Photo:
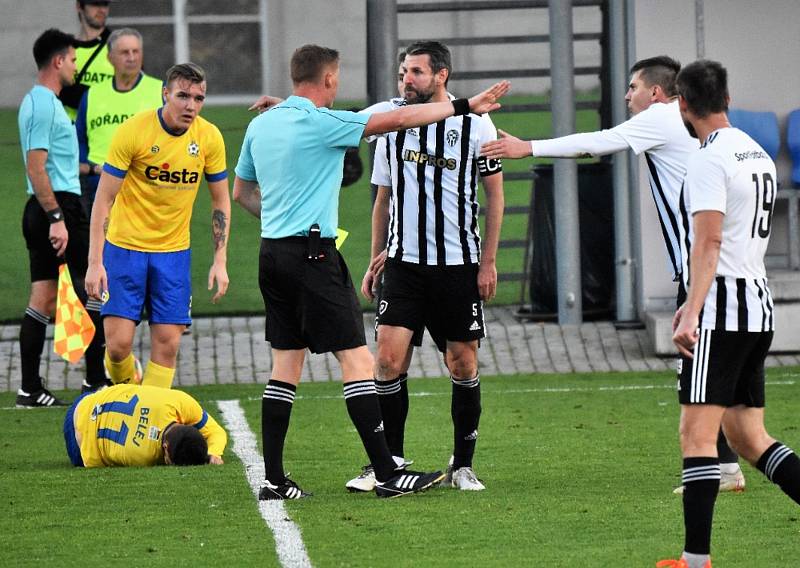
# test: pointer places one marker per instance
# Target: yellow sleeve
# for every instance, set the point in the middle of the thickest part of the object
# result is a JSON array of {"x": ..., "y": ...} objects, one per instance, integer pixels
[
  {"x": 192, "y": 414},
  {"x": 121, "y": 151},
  {"x": 216, "y": 166}
]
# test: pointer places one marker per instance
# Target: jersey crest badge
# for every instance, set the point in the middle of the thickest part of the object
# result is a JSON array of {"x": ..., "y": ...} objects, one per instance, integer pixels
[
  {"x": 193, "y": 149},
  {"x": 452, "y": 137},
  {"x": 154, "y": 149}
]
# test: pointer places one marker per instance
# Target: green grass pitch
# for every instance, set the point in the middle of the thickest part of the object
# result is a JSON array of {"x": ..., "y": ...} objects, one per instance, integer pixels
[{"x": 579, "y": 471}]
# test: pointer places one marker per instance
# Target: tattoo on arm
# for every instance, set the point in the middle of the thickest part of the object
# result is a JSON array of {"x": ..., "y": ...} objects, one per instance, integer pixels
[
  {"x": 219, "y": 224},
  {"x": 105, "y": 226}
]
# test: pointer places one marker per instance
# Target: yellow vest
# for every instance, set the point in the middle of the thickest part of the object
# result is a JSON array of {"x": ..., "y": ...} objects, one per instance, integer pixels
[
  {"x": 100, "y": 71},
  {"x": 107, "y": 108}
]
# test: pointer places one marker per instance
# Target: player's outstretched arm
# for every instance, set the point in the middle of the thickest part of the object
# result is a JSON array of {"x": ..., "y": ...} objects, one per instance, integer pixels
[
  {"x": 507, "y": 146},
  {"x": 96, "y": 282},
  {"x": 220, "y": 229},
  {"x": 419, "y": 115}
]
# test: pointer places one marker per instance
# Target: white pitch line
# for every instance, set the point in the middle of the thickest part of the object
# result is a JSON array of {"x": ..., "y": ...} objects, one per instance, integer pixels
[
  {"x": 544, "y": 390},
  {"x": 288, "y": 541}
]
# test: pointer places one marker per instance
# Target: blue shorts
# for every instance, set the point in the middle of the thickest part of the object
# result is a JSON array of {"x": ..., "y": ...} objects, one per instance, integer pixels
[
  {"x": 73, "y": 450},
  {"x": 159, "y": 281}
]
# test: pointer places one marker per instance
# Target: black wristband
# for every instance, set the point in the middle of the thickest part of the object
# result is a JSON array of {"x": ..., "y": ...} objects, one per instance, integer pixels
[
  {"x": 55, "y": 215},
  {"x": 461, "y": 106}
]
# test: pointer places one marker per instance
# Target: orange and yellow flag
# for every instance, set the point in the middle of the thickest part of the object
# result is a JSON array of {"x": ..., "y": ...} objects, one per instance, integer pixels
[{"x": 74, "y": 328}]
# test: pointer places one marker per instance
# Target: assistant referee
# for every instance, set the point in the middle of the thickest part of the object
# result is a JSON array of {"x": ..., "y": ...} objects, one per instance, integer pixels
[{"x": 294, "y": 152}]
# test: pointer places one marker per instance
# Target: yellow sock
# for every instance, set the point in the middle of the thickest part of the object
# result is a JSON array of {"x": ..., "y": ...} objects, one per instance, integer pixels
[
  {"x": 123, "y": 371},
  {"x": 157, "y": 376}
]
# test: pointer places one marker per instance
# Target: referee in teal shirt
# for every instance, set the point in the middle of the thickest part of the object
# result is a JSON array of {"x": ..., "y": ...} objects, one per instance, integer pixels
[
  {"x": 54, "y": 223},
  {"x": 294, "y": 153}
]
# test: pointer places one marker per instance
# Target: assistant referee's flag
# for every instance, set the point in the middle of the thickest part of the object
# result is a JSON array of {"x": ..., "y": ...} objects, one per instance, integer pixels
[{"x": 74, "y": 328}]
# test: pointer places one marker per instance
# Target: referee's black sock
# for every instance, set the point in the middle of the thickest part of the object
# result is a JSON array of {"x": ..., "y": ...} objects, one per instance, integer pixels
[
  {"x": 700, "y": 487},
  {"x": 390, "y": 394},
  {"x": 782, "y": 466},
  {"x": 31, "y": 344},
  {"x": 364, "y": 410},
  {"x": 465, "y": 409},
  {"x": 95, "y": 373},
  {"x": 276, "y": 409},
  {"x": 724, "y": 451}
]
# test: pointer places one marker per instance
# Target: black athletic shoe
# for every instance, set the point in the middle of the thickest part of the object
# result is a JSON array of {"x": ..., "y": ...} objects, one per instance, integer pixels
[
  {"x": 407, "y": 482},
  {"x": 286, "y": 490},
  {"x": 40, "y": 399},
  {"x": 86, "y": 387}
]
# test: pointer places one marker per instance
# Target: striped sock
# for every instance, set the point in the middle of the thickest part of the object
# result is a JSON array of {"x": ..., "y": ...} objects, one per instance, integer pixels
[
  {"x": 390, "y": 395},
  {"x": 31, "y": 344},
  {"x": 782, "y": 467},
  {"x": 276, "y": 409},
  {"x": 156, "y": 375},
  {"x": 465, "y": 409},
  {"x": 364, "y": 410},
  {"x": 701, "y": 485}
]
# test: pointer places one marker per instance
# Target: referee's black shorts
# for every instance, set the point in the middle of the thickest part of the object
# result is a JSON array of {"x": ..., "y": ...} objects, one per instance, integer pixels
[
  {"x": 443, "y": 299},
  {"x": 727, "y": 369},
  {"x": 36, "y": 229},
  {"x": 308, "y": 303}
]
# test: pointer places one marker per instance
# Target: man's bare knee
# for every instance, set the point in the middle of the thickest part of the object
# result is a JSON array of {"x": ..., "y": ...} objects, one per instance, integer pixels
[{"x": 462, "y": 360}]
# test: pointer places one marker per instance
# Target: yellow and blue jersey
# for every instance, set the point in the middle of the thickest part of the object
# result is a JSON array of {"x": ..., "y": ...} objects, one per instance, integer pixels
[
  {"x": 161, "y": 173},
  {"x": 123, "y": 425}
]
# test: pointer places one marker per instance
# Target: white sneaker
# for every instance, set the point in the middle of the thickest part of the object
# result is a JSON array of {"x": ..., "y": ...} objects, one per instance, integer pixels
[
  {"x": 728, "y": 483},
  {"x": 463, "y": 478},
  {"x": 365, "y": 482},
  {"x": 732, "y": 481}
]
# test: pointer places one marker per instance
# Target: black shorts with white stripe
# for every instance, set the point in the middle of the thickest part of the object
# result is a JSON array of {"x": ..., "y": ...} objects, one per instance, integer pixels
[
  {"x": 727, "y": 369},
  {"x": 443, "y": 299}
]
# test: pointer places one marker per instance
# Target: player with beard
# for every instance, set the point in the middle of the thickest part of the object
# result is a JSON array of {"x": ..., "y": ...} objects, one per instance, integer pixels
[{"x": 425, "y": 239}]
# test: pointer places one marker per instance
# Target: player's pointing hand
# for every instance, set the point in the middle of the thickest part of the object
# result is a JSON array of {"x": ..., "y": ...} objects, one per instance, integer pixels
[
  {"x": 487, "y": 100},
  {"x": 507, "y": 146}
]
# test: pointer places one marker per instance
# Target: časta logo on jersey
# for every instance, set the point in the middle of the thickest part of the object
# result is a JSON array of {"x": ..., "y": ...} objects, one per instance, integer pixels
[
  {"x": 423, "y": 158},
  {"x": 164, "y": 174}
]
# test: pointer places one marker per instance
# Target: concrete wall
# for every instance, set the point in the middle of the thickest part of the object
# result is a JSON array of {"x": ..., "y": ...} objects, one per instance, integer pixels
[
  {"x": 756, "y": 41},
  {"x": 340, "y": 24},
  {"x": 21, "y": 23}
]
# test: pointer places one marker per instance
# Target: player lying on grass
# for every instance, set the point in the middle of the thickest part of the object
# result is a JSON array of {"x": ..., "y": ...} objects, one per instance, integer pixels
[{"x": 133, "y": 425}]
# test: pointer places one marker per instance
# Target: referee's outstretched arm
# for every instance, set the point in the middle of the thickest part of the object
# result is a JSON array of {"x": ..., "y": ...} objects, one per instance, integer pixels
[{"x": 419, "y": 115}]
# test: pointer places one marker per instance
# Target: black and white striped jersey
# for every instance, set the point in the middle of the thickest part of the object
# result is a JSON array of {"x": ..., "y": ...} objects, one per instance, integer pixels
[
  {"x": 658, "y": 131},
  {"x": 433, "y": 172},
  {"x": 732, "y": 174}
]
